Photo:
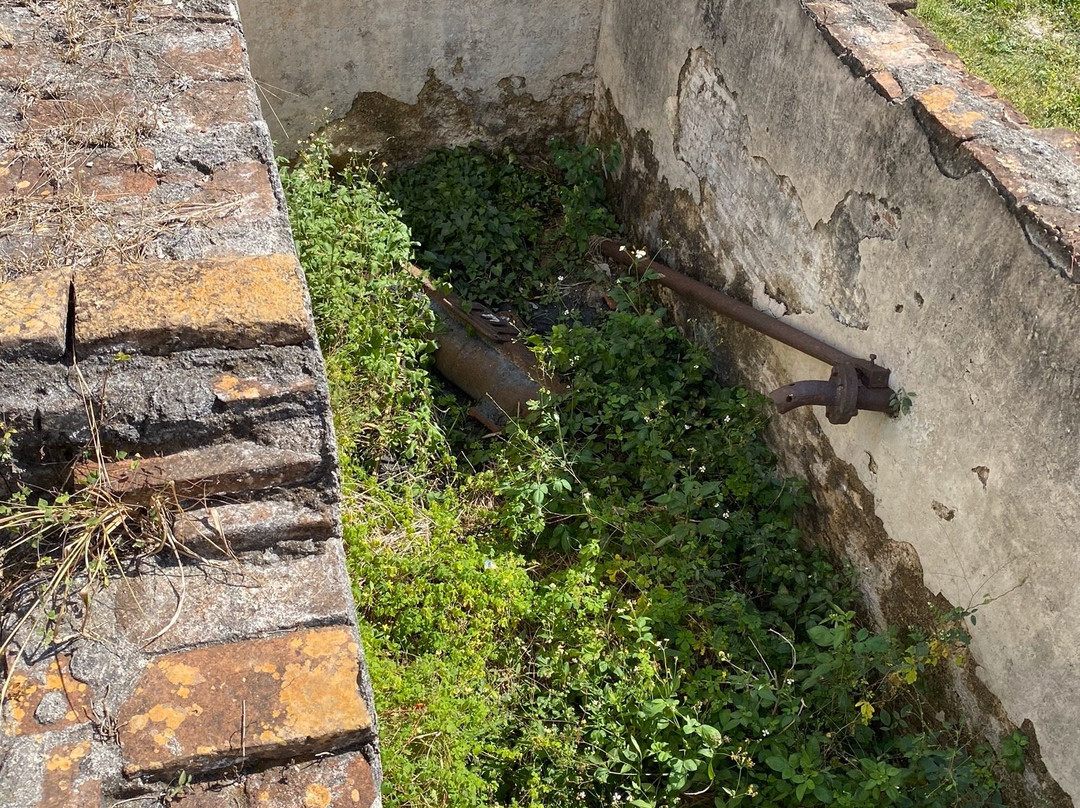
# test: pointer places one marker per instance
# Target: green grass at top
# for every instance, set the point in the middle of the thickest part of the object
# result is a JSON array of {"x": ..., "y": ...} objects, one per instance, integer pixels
[{"x": 1028, "y": 49}]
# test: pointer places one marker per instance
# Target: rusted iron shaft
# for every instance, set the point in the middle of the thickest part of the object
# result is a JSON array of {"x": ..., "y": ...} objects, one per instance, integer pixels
[
  {"x": 823, "y": 393},
  {"x": 478, "y": 351},
  {"x": 873, "y": 375}
]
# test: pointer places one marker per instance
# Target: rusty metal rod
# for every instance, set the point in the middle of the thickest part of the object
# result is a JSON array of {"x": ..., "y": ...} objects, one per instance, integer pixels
[
  {"x": 874, "y": 375},
  {"x": 823, "y": 393}
]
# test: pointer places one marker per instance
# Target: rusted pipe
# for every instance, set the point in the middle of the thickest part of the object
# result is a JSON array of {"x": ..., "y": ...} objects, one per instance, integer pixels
[
  {"x": 855, "y": 384},
  {"x": 807, "y": 393},
  {"x": 873, "y": 375},
  {"x": 477, "y": 351}
]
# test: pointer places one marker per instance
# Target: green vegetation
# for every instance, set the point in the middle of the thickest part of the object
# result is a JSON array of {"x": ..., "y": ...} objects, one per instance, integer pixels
[
  {"x": 1028, "y": 49},
  {"x": 608, "y": 604},
  {"x": 504, "y": 229}
]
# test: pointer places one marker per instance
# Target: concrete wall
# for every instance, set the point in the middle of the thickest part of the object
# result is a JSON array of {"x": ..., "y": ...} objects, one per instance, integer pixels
[
  {"x": 819, "y": 160},
  {"x": 401, "y": 78}
]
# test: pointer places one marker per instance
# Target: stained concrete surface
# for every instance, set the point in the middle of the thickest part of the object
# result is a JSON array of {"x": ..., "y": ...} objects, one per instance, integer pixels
[{"x": 478, "y": 69}]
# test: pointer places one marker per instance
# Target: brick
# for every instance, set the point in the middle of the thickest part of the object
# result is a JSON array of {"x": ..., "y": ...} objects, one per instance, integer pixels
[
  {"x": 251, "y": 526},
  {"x": 45, "y": 697},
  {"x": 33, "y": 315},
  {"x": 941, "y": 103},
  {"x": 223, "y": 61},
  {"x": 208, "y": 105},
  {"x": 162, "y": 307},
  {"x": 20, "y": 61},
  {"x": 885, "y": 85},
  {"x": 110, "y": 179},
  {"x": 264, "y": 699},
  {"x": 231, "y": 468},
  {"x": 1065, "y": 140},
  {"x": 249, "y": 184},
  {"x": 105, "y": 119},
  {"x": 230, "y": 389},
  {"x": 225, "y": 602},
  {"x": 343, "y": 781},
  {"x": 63, "y": 786},
  {"x": 21, "y": 176}
]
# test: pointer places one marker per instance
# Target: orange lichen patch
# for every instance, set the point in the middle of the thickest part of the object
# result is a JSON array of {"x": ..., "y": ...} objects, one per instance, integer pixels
[
  {"x": 62, "y": 786},
  {"x": 65, "y": 757},
  {"x": 939, "y": 101},
  {"x": 33, "y": 314},
  {"x": 47, "y": 698},
  {"x": 161, "y": 307},
  {"x": 180, "y": 674},
  {"x": 263, "y": 698},
  {"x": 317, "y": 796},
  {"x": 230, "y": 389}
]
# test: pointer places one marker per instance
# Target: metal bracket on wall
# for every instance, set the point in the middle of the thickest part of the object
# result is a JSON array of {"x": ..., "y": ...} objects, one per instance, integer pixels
[{"x": 855, "y": 384}]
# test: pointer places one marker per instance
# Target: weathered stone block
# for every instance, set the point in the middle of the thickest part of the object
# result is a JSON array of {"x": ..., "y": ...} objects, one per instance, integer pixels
[
  {"x": 230, "y": 389},
  {"x": 251, "y": 526},
  {"x": 33, "y": 315},
  {"x": 198, "y": 473},
  {"x": 344, "y": 781},
  {"x": 111, "y": 178},
  {"x": 224, "y": 602},
  {"x": 163, "y": 307},
  {"x": 62, "y": 785},
  {"x": 262, "y": 699},
  {"x": 44, "y": 697},
  {"x": 210, "y": 56},
  {"x": 211, "y": 104},
  {"x": 249, "y": 184}
]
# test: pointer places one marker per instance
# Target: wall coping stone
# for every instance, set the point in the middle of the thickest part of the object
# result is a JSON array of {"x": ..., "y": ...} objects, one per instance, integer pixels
[{"x": 1036, "y": 171}]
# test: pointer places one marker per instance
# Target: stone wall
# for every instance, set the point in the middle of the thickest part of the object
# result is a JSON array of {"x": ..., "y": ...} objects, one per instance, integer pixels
[
  {"x": 402, "y": 78},
  {"x": 823, "y": 161},
  {"x": 153, "y": 313}
]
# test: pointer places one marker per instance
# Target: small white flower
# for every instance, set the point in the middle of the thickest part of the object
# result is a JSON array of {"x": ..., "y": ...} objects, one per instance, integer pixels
[
  {"x": 727, "y": 514},
  {"x": 639, "y": 253},
  {"x": 727, "y": 419},
  {"x": 764, "y": 733}
]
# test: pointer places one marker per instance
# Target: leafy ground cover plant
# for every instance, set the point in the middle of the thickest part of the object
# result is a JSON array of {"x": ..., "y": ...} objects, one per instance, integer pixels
[
  {"x": 610, "y": 603},
  {"x": 501, "y": 226},
  {"x": 1028, "y": 49}
]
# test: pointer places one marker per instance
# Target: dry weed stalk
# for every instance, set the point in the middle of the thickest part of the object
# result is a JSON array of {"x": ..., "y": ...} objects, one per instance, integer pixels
[{"x": 74, "y": 543}]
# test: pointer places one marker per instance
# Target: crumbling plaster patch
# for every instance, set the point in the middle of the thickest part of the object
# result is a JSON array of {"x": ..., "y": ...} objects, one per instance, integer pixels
[{"x": 712, "y": 139}]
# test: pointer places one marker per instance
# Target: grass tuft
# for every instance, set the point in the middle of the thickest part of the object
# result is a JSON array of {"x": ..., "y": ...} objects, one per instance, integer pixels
[{"x": 1028, "y": 49}]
